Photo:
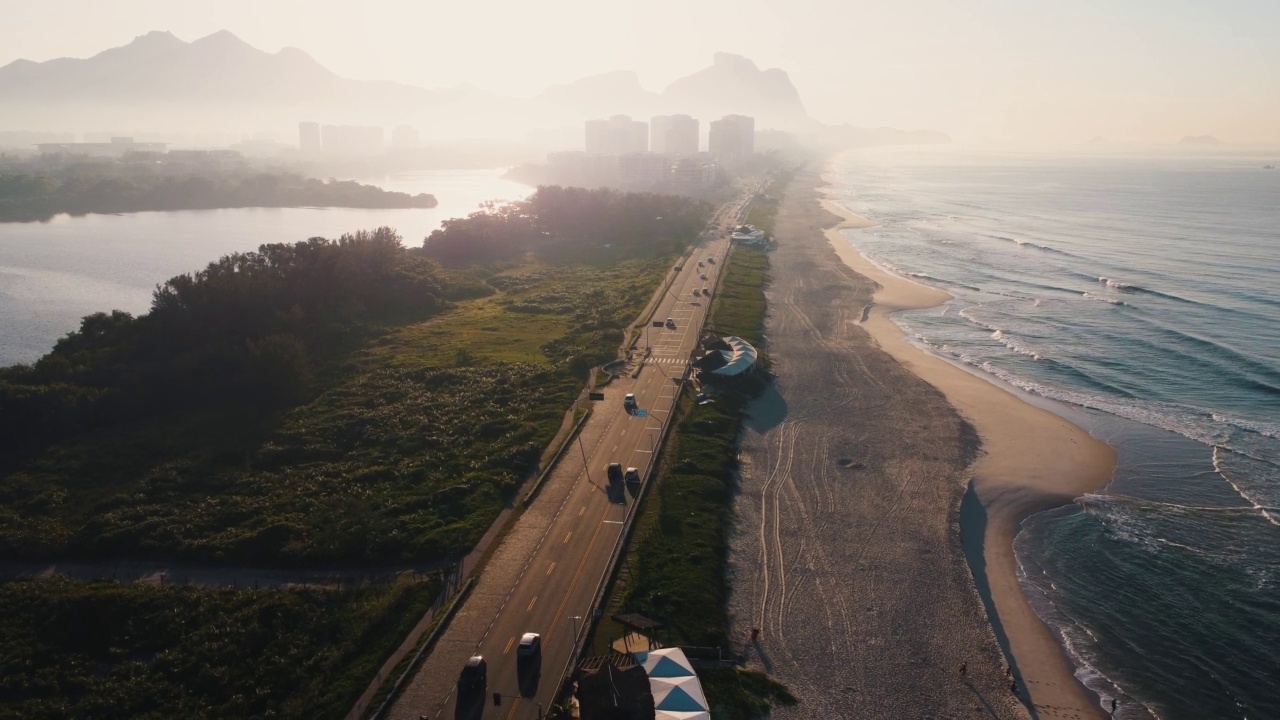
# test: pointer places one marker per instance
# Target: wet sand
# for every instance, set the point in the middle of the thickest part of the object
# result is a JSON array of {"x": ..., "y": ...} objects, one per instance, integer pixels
[
  {"x": 1031, "y": 460},
  {"x": 847, "y": 555}
]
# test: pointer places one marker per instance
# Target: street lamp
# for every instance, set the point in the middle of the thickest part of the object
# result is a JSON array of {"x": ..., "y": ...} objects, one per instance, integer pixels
[{"x": 575, "y": 619}]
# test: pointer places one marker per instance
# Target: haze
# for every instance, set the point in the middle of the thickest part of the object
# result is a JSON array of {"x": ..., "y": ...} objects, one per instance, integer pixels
[{"x": 1139, "y": 71}]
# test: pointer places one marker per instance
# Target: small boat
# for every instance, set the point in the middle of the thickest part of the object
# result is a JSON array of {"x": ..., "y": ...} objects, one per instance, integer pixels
[{"x": 1268, "y": 167}]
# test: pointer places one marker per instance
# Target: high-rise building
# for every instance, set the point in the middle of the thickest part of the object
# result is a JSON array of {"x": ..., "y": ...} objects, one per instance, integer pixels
[
  {"x": 309, "y": 138},
  {"x": 351, "y": 139},
  {"x": 619, "y": 135},
  {"x": 673, "y": 135},
  {"x": 404, "y": 137},
  {"x": 732, "y": 138}
]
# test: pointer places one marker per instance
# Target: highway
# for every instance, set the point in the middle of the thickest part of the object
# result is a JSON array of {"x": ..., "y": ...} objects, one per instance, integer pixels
[{"x": 545, "y": 573}]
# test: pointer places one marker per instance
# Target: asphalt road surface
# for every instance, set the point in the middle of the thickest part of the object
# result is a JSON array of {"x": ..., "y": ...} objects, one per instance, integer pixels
[{"x": 544, "y": 575}]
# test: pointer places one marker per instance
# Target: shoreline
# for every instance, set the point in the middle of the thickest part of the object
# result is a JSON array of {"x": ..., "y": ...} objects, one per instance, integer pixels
[{"x": 1032, "y": 460}]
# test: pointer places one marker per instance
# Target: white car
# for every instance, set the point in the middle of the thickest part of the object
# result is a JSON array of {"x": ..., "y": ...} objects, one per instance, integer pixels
[{"x": 530, "y": 646}]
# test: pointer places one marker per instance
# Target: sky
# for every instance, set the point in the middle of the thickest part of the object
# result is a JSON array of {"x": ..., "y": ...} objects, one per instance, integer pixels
[{"x": 1021, "y": 70}]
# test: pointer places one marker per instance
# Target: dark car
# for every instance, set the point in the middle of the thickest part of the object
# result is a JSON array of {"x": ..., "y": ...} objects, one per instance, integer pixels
[
  {"x": 614, "y": 472},
  {"x": 629, "y": 402},
  {"x": 474, "y": 677}
]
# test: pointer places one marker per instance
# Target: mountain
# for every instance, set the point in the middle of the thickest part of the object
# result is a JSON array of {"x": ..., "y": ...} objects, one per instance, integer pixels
[
  {"x": 1200, "y": 140},
  {"x": 731, "y": 84},
  {"x": 605, "y": 95},
  {"x": 213, "y": 80}
]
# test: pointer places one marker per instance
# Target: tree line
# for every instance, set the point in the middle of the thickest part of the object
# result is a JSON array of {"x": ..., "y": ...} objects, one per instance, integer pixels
[{"x": 29, "y": 197}]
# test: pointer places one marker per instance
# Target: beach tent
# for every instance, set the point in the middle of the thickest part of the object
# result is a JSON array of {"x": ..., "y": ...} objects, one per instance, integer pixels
[
  {"x": 677, "y": 693},
  {"x": 727, "y": 356}
]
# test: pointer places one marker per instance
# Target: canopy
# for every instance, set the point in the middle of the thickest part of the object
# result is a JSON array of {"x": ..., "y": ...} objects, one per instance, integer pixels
[{"x": 677, "y": 694}]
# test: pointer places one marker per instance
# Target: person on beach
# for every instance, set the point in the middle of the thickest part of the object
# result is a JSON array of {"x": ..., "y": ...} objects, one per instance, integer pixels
[
  {"x": 1013, "y": 687},
  {"x": 1113, "y": 707},
  {"x": 964, "y": 669}
]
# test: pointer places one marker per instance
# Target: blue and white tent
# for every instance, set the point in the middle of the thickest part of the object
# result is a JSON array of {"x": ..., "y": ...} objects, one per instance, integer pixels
[{"x": 677, "y": 693}]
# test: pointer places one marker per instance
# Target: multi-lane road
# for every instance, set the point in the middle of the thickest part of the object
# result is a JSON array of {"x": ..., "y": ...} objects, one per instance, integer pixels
[{"x": 545, "y": 574}]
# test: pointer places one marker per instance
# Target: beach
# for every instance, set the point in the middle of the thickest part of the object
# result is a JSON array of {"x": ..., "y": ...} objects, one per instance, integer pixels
[
  {"x": 859, "y": 468},
  {"x": 1032, "y": 460}
]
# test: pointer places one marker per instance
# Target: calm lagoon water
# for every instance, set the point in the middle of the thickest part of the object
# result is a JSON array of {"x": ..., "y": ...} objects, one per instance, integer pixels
[
  {"x": 1141, "y": 294},
  {"x": 53, "y": 273}
]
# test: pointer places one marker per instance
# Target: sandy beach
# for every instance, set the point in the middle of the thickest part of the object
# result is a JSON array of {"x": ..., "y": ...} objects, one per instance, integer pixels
[
  {"x": 853, "y": 472},
  {"x": 1031, "y": 460}
]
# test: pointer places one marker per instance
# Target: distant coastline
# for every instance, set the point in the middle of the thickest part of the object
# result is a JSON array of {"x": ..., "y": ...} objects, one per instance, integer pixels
[{"x": 33, "y": 197}]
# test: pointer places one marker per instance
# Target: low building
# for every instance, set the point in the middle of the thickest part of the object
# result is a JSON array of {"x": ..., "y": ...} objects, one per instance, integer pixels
[
  {"x": 748, "y": 235},
  {"x": 117, "y": 148}
]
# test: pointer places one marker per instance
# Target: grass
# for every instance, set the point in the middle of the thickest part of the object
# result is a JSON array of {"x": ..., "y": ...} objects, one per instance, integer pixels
[
  {"x": 675, "y": 566},
  {"x": 407, "y": 455},
  {"x": 110, "y": 650}
]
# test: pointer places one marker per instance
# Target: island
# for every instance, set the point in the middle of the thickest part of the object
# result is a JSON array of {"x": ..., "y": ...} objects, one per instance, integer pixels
[{"x": 36, "y": 191}]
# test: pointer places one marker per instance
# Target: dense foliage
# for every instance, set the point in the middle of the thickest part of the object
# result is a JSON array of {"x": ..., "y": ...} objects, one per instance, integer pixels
[
  {"x": 292, "y": 407},
  {"x": 109, "y": 650},
  {"x": 558, "y": 223},
  {"x": 240, "y": 335},
  {"x": 29, "y": 197}
]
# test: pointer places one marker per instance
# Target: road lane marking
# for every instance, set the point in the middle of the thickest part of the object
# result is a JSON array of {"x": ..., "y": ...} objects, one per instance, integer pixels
[
  {"x": 510, "y": 642},
  {"x": 531, "y": 603},
  {"x": 551, "y": 567},
  {"x": 584, "y": 509},
  {"x": 566, "y": 538}
]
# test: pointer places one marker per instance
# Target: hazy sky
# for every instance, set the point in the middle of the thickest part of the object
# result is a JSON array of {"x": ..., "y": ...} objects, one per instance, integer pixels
[{"x": 1065, "y": 71}]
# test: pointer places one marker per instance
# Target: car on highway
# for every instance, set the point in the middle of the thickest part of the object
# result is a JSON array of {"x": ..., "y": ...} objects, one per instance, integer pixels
[
  {"x": 671, "y": 323},
  {"x": 629, "y": 402},
  {"x": 474, "y": 676},
  {"x": 632, "y": 475},
  {"x": 706, "y": 292},
  {"x": 711, "y": 261},
  {"x": 530, "y": 646},
  {"x": 702, "y": 276},
  {"x": 696, "y": 293}
]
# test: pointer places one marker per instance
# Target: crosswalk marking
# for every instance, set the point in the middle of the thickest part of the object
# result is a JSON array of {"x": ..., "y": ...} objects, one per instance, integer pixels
[{"x": 670, "y": 361}]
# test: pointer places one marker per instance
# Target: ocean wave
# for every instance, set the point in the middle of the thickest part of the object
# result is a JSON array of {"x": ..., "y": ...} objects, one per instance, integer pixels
[
  {"x": 1099, "y": 298},
  {"x": 1256, "y": 483},
  {"x": 1126, "y": 287},
  {"x": 1014, "y": 345}
]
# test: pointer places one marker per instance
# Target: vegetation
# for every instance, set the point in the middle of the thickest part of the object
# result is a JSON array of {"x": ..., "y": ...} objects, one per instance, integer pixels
[
  {"x": 104, "y": 189},
  {"x": 676, "y": 564},
  {"x": 308, "y": 404},
  {"x": 558, "y": 224},
  {"x": 111, "y": 650}
]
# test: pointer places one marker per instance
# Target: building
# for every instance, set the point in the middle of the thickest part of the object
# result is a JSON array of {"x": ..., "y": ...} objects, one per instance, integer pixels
[
  {"x": 644, "y": 170},
  {"x": 732, "y": 139},
  {"x": 404, "y": 137},
  {"x": 619, "y": 135},
  {"x": 118, "y": 147},
  {"x": 693, "y": 175},
  {"x": 349, "y": 140},
  {"x": 673, "y": 135},
  {"x": 309, "y": 138}
]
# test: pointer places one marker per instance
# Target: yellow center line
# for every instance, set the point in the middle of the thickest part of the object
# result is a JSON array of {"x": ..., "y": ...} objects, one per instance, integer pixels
[
  {"x": 572, "y": 584},
  {"x": 531, "y": 602},
  {"x": 551, "y": 567},
  {"x": 566, "y": 537},
  {"x": 584, "y": 509},
  {"x": 510, "y": 642}
]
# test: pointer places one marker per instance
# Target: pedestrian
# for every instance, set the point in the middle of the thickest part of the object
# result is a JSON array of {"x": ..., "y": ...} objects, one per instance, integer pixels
[
  {"x": 964, "y": 669},
  {"x": 1008, "y": 672},
  {"x": 1013, "y": 687},
  {"x": 1113, "y": 707}
]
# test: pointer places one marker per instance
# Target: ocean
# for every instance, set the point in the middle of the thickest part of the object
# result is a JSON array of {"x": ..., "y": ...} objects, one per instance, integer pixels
[
  {"x": 54, "y": 273},
  {"x": 1139, "y": 295}
]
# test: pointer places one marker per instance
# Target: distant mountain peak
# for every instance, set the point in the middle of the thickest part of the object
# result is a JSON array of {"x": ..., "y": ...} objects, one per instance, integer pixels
[
  {"x": 737, "y": 62},
  {"x": 1200, "y": 140}
]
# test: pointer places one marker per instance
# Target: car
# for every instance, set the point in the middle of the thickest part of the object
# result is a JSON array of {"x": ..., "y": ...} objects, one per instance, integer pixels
[
  {"x": 614, "y": 472},
  {"x": 700, "y": 263},
  {"x": 711, "y": 261},
  {"x": 629, "y": 402},
  {"x": 632, "y": 475},
  {"x": 696, "y": 293},
  {"x": 702, "y": 276},
  {"x": 474, "y": 676},
  {"x": 706, "y": 292},
  {"x": 671, "y": 323},
  {"x": 530, "y": 645}
]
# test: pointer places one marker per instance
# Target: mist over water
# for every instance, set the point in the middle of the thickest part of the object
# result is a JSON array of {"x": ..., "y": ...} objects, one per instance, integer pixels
[
  {"x": 54, "y": 273},
  {"x": 1142, "y": 292}
]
